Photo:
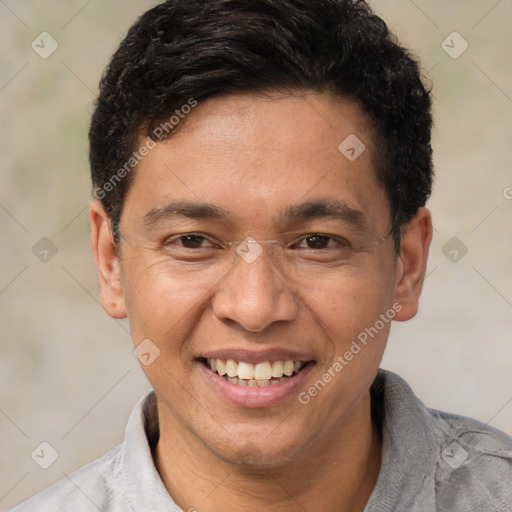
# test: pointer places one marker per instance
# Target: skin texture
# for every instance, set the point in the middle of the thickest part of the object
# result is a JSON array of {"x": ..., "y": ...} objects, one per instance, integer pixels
[{"x": 252, "y": 156}]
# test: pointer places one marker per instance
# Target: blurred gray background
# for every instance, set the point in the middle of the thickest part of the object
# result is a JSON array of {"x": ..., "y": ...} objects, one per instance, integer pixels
[{"x": 67, "y": 373}]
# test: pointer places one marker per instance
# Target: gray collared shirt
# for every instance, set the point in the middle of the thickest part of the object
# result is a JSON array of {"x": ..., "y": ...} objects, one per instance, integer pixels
[{"x": 432, "y": 461}]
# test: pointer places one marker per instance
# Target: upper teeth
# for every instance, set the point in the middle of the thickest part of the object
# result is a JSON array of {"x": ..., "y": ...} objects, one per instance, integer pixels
[{"x": 260, "y": 371}]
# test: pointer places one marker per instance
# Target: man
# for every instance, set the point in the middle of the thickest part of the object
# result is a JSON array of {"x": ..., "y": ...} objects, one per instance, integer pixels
[{"x": 260, "y": 174}]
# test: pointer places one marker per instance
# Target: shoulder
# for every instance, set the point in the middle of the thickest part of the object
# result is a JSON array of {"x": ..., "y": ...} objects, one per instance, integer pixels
[
  {"x": 124, "y": 479},
  {"x": 475, "y": 463},
  {"x": 87, "y": 489},
  {"x": 434, "y": 460}
]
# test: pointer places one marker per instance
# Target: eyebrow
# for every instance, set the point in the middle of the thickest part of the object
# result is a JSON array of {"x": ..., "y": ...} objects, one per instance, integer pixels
[
  {"x": 325, "y": 209},
  {"x": 192, "y": 210},
  {"x": 310, "y": 210}
]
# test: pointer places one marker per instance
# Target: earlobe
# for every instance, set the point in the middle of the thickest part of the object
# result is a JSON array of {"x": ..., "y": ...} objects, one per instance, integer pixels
[
  {"x": 107, "y": 261},
  {"x": 412, "y": 264}
]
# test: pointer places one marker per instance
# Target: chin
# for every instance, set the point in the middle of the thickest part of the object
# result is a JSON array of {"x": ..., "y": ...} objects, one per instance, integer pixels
[{"x": 259, "y": 453}]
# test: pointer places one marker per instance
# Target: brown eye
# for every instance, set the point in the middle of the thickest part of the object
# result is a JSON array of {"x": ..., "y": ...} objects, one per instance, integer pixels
[
  {"x": 191, "y": 241},
  {"x": 317, "y": 241}
]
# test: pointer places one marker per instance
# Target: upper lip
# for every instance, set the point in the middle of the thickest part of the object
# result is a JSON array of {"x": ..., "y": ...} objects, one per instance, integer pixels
[{"x": 256, "y": 356}]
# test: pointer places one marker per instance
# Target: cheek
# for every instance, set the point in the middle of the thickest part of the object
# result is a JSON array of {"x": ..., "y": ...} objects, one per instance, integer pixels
[
  {"x": 349, "y": 312},
  {"x": 165, "y": 310},
  {"x": 161, "y": 306},
  {"x": 350, "y": 301}
]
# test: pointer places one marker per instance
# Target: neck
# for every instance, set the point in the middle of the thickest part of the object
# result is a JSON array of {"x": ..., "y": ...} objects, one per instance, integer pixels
[{"x": 338, "y": 473}]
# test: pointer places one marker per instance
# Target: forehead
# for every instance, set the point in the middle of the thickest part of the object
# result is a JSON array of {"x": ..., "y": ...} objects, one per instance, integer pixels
[{"x": 256, "y": 155}]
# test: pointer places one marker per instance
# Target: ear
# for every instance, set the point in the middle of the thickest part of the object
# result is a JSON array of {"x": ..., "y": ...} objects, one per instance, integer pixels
[
  {"x": 107, "y": 261},
  {"x": 412, "y": 263}
]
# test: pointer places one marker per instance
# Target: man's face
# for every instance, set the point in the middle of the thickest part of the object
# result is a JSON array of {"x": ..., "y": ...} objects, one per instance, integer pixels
[{"x": 269, "y": 168}]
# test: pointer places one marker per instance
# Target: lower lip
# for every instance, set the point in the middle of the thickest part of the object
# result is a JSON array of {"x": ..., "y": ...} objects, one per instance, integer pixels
[{"x": 253, "y": 397}]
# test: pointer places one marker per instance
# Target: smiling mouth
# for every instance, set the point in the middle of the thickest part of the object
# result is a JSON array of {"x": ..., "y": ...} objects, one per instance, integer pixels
[{"x": 268, "y": 373}]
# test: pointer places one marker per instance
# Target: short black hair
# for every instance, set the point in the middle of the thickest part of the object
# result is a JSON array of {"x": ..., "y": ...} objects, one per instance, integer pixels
[{"x": 182, "y": 52}]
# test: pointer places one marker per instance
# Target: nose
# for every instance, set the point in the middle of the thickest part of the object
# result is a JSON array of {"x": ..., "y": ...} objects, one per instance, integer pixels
[{"x": 254, "y": 296}]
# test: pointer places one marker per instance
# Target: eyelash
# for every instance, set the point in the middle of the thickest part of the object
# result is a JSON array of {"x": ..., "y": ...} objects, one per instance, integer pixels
[
  {"x": 341, "y": 242},
  {"x": 170, "y": 241}
]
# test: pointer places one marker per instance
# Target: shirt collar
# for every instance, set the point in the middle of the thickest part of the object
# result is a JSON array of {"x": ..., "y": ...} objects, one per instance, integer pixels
[
  {"x": 142, "y": 481},
  {"x": 410, "y": 446}
]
